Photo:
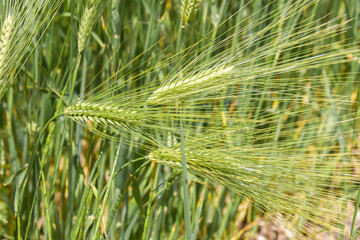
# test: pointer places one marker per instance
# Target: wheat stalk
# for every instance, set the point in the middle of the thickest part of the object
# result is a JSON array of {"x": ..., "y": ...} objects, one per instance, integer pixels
[{"x": 87, "y": 21}]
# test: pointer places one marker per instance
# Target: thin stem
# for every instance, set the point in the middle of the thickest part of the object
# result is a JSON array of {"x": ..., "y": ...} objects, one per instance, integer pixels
[
  {"x": 108, "y": 185},
  {"x": 185, "y": 182}
]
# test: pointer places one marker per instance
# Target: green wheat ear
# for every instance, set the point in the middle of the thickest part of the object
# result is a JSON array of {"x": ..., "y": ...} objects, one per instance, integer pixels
[
  {"x": 188, "y": 9},
  {"x": 5, "y": 46},
  {"x": 87, "y": 21},
  {"x": 21, "y": 23}
]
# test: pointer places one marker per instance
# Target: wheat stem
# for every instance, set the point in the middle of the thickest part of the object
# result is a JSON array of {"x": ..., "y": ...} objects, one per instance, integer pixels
[{"x": 96, "y": 233}]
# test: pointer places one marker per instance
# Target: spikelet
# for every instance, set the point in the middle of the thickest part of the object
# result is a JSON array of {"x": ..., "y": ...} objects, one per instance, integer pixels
[
  {"x": 87, "y": 21},
  {"x": 188, "y": 9},
  {"x": 5, "y": 46}
]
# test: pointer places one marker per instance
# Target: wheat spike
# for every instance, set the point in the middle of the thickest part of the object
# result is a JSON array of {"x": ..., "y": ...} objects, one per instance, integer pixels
[
  {"x": 5, "y": 40},
  {"x": 162, "y": 93},
  {"x": 104, "y": 114},
  {"x": 87, "y": 21},
  {"x": 188, "y": 8},
  {"x": 5, "y": 46}
]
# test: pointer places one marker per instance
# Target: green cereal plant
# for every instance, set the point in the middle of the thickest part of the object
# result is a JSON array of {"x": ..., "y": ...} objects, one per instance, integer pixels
[
  {"x": 262, "y": 104},
  {"x": 266, "y": 118},
  {"x": 21, "y": 23},
  {"x": 198, "y": 86},
  {"x": 87, "y": 21}
]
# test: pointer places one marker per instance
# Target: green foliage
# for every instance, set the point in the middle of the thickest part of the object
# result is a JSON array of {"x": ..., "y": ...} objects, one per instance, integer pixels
[{"x": 179, "y": 119}]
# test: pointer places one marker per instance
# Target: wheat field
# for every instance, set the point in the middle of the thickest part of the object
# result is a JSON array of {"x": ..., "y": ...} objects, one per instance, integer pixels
[{"x": 179, "y": 119}]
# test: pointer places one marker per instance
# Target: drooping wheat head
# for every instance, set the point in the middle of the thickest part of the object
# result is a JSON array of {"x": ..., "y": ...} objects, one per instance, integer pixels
[{"x": 299, "y": 186}]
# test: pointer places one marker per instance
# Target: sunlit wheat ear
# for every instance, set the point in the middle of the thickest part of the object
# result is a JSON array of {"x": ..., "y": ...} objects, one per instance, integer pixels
[
  {"x": 188, "y": 8},
  {"x": 161, "y": 94},
  {"x": 306, "y": 191},
  {"x": 87, "y": 21},
  {"x": 122, "y": 117},
  {"x": 116, "y": 120},
  {"x": 5, "y": 45},
  {"x": 104, "y": 114}
]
